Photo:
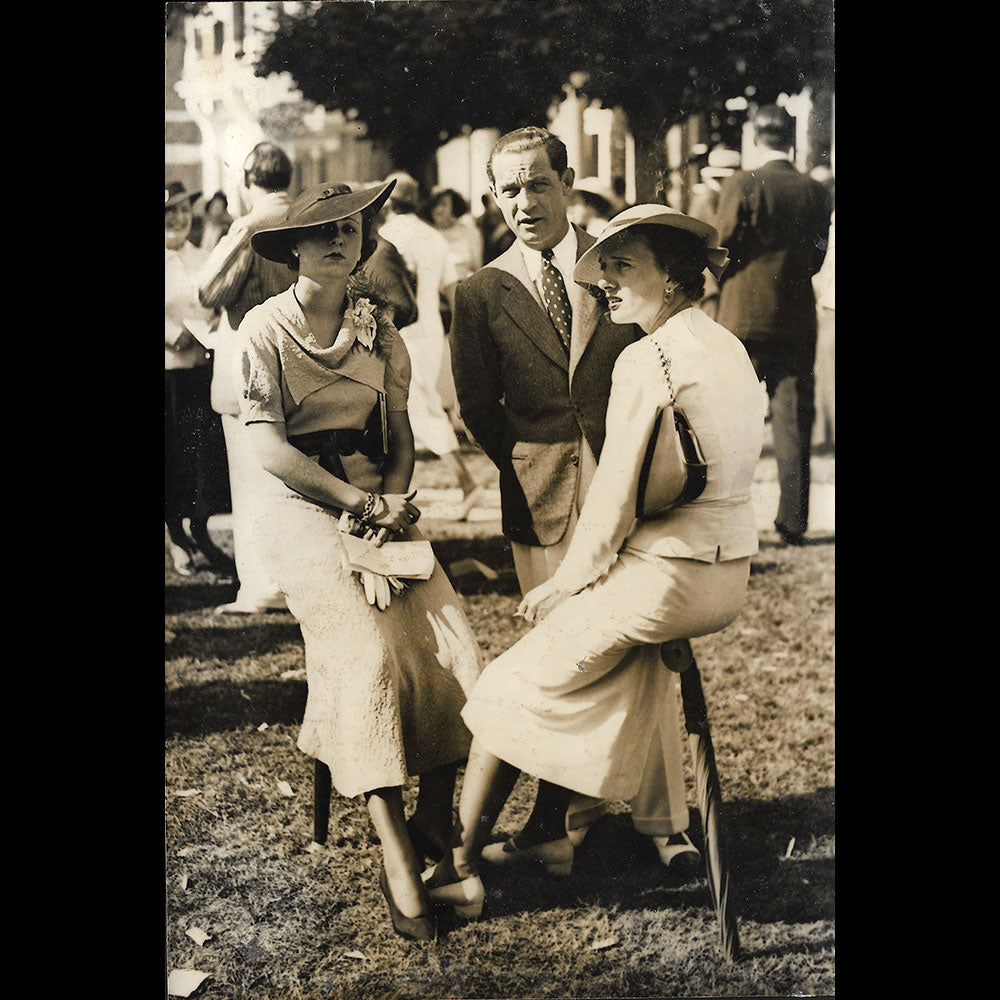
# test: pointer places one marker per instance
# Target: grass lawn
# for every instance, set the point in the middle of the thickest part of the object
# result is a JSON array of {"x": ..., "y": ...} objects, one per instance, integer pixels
[{"x": 289, "y": 920}]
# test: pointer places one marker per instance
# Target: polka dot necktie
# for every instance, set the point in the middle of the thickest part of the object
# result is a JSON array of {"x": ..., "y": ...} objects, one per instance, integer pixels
[{"x": 555, "y": 298}]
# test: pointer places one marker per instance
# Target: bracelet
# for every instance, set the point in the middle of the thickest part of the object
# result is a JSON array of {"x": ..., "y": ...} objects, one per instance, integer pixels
[{"x": 368, "y": 508}]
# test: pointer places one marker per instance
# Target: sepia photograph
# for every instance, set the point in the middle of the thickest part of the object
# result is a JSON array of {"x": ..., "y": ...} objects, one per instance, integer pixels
[{"x": 499, "y": 494}]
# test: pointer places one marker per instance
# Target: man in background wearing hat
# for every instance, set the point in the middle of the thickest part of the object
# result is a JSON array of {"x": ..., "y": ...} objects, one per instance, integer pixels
[
  {"x": 774, "y": 220},
  {"x": 532, "y": 358},
  {"x": 235, "y": 279},
  {"x": 426, "y": 254}
]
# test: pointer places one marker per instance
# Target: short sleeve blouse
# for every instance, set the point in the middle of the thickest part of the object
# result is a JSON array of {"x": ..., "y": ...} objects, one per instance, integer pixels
[{"x": 287, "y": 378}]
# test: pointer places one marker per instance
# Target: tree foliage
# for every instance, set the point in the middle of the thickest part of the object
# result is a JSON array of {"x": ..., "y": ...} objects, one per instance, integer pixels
[{"x": 420, "y": 71}]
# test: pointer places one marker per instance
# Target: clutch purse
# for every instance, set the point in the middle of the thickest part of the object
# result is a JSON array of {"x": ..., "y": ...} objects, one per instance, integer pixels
[
  {"x": 674, "y": 471},
  {"x": 407, "y": 560}
]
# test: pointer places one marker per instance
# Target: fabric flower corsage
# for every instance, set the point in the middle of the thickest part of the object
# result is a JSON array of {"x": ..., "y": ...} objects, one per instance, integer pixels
[{"x": 365, "y": 323}]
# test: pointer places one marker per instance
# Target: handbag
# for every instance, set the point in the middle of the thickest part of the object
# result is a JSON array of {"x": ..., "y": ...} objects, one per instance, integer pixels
[
  {"x": 375, "y": 436},
  {"x": 674, "y": 471}
]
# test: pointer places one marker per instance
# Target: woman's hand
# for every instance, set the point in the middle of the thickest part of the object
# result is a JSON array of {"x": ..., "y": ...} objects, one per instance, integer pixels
[
  {"x": 395, "y": 513},
  {"x": 537, "y": 603}
]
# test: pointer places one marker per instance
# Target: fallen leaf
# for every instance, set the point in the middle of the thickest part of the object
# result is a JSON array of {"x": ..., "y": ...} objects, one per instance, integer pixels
[
  {"x": 788, "y": 849},
  {"x": 262, "y": 727},
  {"x": 183, "y": 982},
  {"x": 741, "y": 697},
  {"x": 183, "y": 880},
  {"x": 243, "y": 694},
  {"x": 239, "y": 777},
  {"x": 292, "y": 675},
  {"x": 198, "y": 935},
  {"x": 356, "y": 954},
  {"x": 314, "y": 847},
  {"x": 608, "y": 942},
  {"x": 188, "y": 792},
  {"x": 770, "y": 670},
  {"x": 285, "y": 788}
]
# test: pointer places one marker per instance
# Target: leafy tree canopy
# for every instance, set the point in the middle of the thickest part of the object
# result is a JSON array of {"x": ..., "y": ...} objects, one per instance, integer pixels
[{"x": 421, "y": 72}]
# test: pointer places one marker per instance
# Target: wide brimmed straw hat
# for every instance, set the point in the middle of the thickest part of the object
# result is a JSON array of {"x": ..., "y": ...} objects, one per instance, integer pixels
[
  {"x": 316, "y": 206},
  {"x": 588, "y": 268},
  {"x": 174, "y": 194}
]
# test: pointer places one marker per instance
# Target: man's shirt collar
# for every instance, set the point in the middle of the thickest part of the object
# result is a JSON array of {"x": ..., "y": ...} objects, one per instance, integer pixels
[{"x": 564, "y": 257}]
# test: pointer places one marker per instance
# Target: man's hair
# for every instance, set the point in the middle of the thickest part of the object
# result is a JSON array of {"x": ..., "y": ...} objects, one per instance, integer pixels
[
  {"x": 267, "y": 166},
  {"x": 531, "y": 137},
  {"x": 774, "y": 127}
]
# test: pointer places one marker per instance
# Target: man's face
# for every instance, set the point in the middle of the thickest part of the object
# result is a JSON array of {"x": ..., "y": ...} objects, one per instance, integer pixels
[
  {"x": 532, "y": 197},
  {"x": 177, "y": 222}
]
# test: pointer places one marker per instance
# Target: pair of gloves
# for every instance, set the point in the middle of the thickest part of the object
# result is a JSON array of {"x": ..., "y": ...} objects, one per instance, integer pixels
[{"x": 378, "y": 589}]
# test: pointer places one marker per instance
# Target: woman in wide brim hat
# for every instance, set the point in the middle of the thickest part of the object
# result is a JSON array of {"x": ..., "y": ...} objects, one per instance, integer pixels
[
  {"x": 566, "y": 703},
  {"x": 196, "y": 485},
  {"x": 388, "y": 666}
]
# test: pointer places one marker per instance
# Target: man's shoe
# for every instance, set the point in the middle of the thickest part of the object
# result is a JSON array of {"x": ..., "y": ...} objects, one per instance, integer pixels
[
  {"x": 577, "y": 835},
  {"x": 789, "y": 537},
  {"x": 556, "y": 855},
  {"x": 677, "y": 849}
]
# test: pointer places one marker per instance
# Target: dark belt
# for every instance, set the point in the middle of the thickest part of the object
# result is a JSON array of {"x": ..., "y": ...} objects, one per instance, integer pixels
[{"x": 329, "y": 446}]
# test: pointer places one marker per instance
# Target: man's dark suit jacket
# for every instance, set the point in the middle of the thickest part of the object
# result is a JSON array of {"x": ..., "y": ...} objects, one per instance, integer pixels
[
  {"x": 524, "y": 401},
  {"x": 390, "y": 275},
  {"x": 775, "y": 221}
]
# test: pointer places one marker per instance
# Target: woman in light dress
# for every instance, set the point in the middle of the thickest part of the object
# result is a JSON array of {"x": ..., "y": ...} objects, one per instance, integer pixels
[
  {"x": 388, "y": 666},
  {"x": 561, "y": 704},
  {"x": 194, "y": 449}
]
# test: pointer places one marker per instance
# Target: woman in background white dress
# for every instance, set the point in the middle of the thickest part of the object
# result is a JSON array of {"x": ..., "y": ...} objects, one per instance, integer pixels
[
  {"x": 387, "y": 667},
  {"x": 561, "y": 704}
]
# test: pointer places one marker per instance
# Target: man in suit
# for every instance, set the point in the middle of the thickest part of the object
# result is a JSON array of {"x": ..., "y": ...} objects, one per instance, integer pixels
[
  {"x": 774, "y": 220},
  {"x": 235, "y": 279},
  {"x": 532, "y": 358}
]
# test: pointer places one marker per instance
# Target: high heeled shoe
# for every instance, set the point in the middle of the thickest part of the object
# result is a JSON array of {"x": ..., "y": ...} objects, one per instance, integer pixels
[
  {"x": 465, "y": 897},
  {"x": 677, "y": 849},
  {"x": 420, "y": 928},
  {"x": 556, "y": 855}
]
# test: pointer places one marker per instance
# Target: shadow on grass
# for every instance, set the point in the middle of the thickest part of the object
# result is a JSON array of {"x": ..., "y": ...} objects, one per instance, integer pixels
[
  {"x": 179, "y": 598},
  {"x": 226, "y": 705},
  {"x": 617, "y": 866},
  {"x": 237, "y": 642}
]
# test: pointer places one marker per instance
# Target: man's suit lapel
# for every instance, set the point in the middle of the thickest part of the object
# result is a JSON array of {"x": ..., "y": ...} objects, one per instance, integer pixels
[
  {"x": 586, "y": 312},
  {"x": 521, "y": 301}
]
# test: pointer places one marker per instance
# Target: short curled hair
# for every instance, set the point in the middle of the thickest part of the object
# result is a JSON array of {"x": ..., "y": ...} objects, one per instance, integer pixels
[
  {"x": 267, "y": 166},
  {"x": 459, "y": 206},
  {"x": 676, "y": 251},
  {"x": 680, "y": 253},
  {"x": 530, "y": 137},
  {"x": 369, "y": 236}
]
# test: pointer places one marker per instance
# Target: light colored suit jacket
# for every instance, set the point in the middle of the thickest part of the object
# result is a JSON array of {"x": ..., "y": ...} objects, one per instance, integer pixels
[
  {"x": 717, "y": 388},
  {"x": 526, "y": 402}
]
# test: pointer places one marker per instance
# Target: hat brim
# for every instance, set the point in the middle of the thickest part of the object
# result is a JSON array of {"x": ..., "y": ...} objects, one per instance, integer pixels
[
  {"x": 588, "y": 267},
  {"x": 275, "y": 243},
  {"x": 176, "y": 199}
]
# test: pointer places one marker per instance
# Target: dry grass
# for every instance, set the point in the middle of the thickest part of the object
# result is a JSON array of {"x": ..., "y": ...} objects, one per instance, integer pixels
[{"x": 288, "y": 923}]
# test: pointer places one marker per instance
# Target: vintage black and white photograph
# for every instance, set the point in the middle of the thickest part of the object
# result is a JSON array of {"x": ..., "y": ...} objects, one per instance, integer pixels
[{"x": 499, "y": 541}]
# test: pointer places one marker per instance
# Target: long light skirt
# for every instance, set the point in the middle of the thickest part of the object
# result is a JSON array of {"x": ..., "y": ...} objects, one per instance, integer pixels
[
  {"x": 386, "y": 688},
  {"x": 566, "y": 704}
]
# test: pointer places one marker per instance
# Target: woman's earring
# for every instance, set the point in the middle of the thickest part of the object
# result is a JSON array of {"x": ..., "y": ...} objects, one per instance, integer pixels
[
  {"x": 295, "y": 252},
  {"x": 668, "y": 293}
]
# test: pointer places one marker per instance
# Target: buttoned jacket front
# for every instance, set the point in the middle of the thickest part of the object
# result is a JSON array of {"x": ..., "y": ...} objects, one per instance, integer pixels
[{"x": 526, "y": 402}]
